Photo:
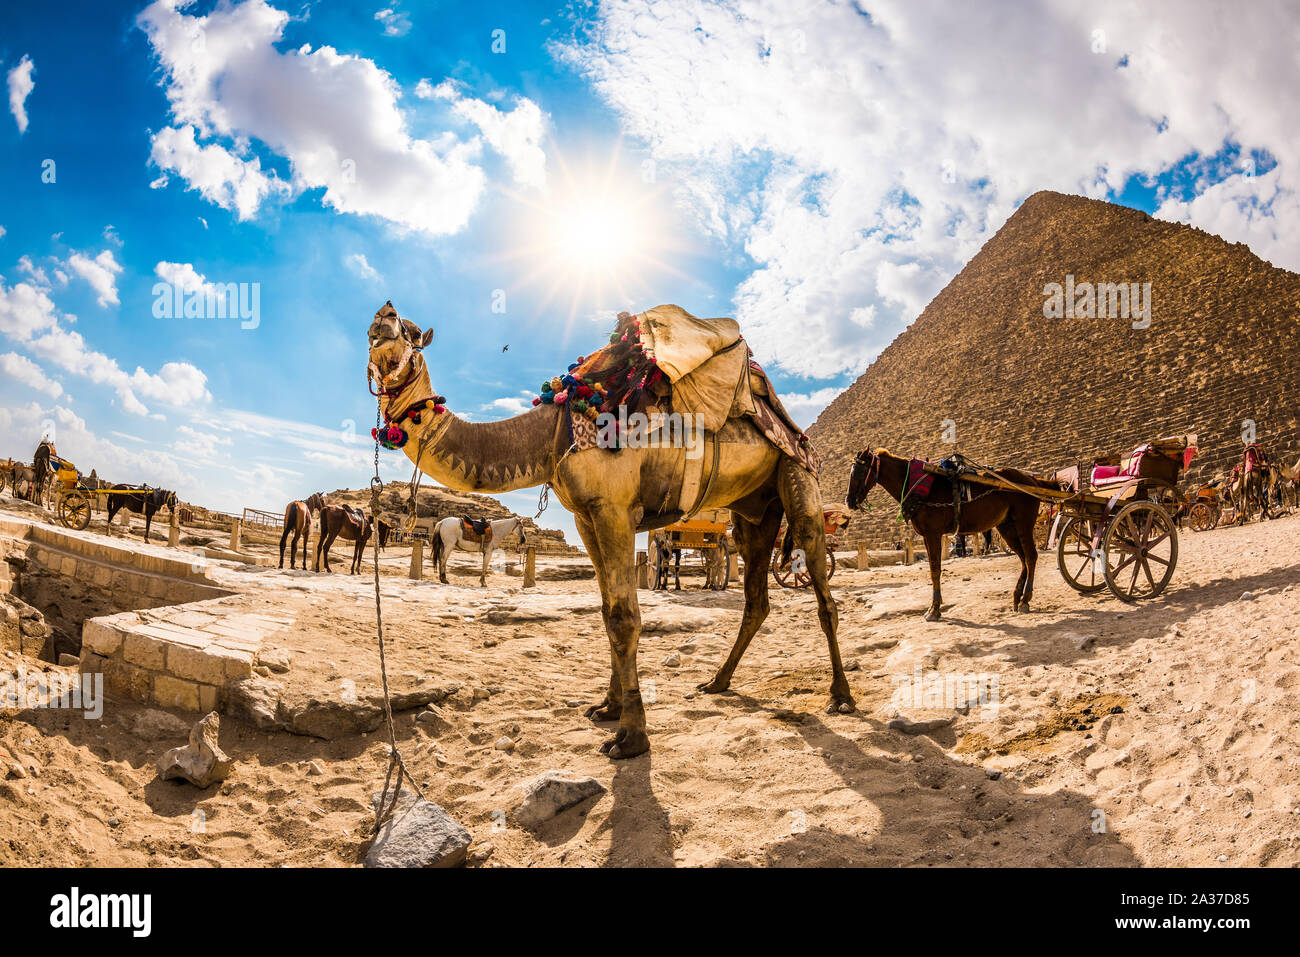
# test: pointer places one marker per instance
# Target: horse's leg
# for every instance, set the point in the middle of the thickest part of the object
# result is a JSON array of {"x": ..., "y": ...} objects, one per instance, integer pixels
[
  {"x": 677, "y": 569},
  {"x": 306, "y": 537},
  {"x": 1011, "y": 535},
  {"x": 1028, "y": 553},
  {"x": 284, "y": 537},
  {"x": 487, "y": 560},
  {"x": 445, "y": 557},
  {"x": 933, "y": 554},
  {"x": 803, "y": 508},
  {"x": 148, "y": 520},
  {"x": 754, "y": 540}
]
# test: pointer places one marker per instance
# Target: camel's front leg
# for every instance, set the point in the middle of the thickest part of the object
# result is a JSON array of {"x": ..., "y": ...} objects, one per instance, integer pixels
[{"x": 610, "y": 537}]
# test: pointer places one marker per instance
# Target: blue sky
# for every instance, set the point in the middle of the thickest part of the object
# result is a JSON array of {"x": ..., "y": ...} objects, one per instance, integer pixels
[{"x": 806, "y": 170}]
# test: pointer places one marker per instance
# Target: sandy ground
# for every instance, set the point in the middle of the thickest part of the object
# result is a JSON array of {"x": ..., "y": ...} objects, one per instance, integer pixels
[{"x": 1158, "y": 734}]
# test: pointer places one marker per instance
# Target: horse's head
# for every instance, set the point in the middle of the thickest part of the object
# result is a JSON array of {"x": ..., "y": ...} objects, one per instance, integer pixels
[
  {"x": 316, "y": 502},
  {"x": 383, "y": 528},
  {"x": 862, "y": 477},
  {"x": 395, "y": 345}
]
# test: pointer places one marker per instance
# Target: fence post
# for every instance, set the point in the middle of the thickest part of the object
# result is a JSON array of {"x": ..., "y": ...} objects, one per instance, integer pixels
[
  {"x": 642, "y": 570},
  {"x": 417, "y": 559},
  {"x": 530, "y": 567},
  {"x": 174, "y": 530},
  {"x": 733, "y": 566},
  {"x": 234, "y": 534},
  {"x": 909, "y": 549},
  {"x": 863, "y": 560}
]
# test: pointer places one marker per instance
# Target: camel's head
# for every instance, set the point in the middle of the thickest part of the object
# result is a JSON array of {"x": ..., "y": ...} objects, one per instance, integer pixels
[
  {"x": 862, "y": 477},
  {"x": 395, "y": 345}
]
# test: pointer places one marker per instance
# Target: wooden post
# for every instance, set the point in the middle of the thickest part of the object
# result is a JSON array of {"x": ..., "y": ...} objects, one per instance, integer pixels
[
  {"x": 733, "y": 566},
  {"x": 530, "y": 567},
  {"x": 417, "y": 559},
  {"x": 642, "y": 570},
  {"x": 234, "y": 534},
  {"x": 943, "y": 548},
  {"x": 863, "y": 561},
  {"x": 909, "y": 549},
  {"x": 174, "y": 530}
]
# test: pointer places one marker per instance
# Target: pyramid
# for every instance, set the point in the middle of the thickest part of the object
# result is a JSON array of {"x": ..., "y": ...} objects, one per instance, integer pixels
[{"x": 984, "y": 372}]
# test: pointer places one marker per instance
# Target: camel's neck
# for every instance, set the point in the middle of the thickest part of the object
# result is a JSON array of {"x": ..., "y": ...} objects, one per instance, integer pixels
[{"x": 479, "y": 456}]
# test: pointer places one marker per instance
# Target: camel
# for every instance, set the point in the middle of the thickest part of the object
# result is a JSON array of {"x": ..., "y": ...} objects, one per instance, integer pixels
[
  {"x": 1012, "y": 513},
  {"x": 450, "y": 534},
  {"x": 353, "y": 525},
  {"x": 612, "y": 494},
  {"x": 297, "y": 520}
]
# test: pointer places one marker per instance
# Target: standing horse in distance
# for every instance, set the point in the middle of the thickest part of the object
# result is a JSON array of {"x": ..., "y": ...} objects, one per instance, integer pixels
[
  {"x": 455, "y": 532},
  {"x": 352, "y": 525},
  {"x": 142, "y": 500},
  {"x": 297, "y": 519},
  {"x": 1013, "y": 514}
]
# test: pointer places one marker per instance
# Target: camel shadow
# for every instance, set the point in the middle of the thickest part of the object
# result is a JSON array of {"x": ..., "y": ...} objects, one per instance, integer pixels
[
  {"x": 922, "y": 803},
  {"x": 641, "y": 833}
]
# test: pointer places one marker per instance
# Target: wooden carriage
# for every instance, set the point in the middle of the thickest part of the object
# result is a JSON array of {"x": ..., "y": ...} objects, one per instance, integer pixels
[
  {"x": 705, "y": 533},
  {"x": 788, "y": 572}
]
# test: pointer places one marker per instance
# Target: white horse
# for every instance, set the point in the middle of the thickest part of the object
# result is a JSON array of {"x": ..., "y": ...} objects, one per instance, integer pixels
[{"x": 448, "y": 535}]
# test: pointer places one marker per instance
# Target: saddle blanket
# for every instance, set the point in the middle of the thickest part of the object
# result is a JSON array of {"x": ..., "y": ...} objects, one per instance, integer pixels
[{"x": 476, "y": 530}]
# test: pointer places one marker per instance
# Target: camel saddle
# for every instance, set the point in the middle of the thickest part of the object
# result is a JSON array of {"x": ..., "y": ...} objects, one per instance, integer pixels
[
  {"x": 710, "y": 372},
  {"x": 476, "y": 530}
]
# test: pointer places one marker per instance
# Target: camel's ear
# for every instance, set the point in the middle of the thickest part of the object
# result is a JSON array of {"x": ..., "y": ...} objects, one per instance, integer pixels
[{"x": 427, "y": 337}]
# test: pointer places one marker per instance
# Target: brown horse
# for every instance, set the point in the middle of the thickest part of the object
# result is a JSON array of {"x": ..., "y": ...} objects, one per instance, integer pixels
[
  {"x": 1013, "y": 514},
  {"x": 352, "y": 525},
  {"x": 142, "y": 500},
  {"x": 297, "y": 519}
]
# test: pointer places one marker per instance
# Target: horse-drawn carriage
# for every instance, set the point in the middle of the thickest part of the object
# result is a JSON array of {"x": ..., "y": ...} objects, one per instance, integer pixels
[
  {"x": 705, "y": 534},
  {"x": 1207, "y": 506},
  {"x": 793, "y": 573},
  {"x": 75, "y": 498}
]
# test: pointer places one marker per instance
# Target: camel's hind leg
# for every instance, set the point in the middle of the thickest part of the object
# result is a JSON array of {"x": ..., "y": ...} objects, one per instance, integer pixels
[
  {"x": 755, "y": 543},
  {"x": 611, "y": 536},
  {"x": 803, "y": 508}
]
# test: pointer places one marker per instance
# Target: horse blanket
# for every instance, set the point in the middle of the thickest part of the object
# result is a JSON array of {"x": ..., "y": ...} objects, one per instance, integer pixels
[{"x": 477, "y": 530}]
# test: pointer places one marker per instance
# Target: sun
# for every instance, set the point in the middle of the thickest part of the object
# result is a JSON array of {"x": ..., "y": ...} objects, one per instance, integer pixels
[{"x": 601, "y": 238}]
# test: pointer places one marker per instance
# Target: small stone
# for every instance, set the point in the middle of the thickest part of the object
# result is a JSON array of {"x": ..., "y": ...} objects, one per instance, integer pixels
[
  {"x": 277, "y": 659},
  {"x": 504, "y": 743},
  {"x": 550, "y": 793},
  {"x": 673, "y": 661},
  {"x": 201, "y": 762},
  {"x": 992, "y": 773},
  {"x": 1247, "y": 596},
  {"x": 418, "y": 834},
  {"x": 113, "y": 822},
  {"x": 314, "y": 768}
]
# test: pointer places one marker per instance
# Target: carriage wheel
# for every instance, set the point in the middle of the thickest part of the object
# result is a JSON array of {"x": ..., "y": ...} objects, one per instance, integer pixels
[
  {"x": 1074, "y": 557},
  {"x": 1201, "y": 518},
  {"x": 74, "y": 511},
  {"x": 1141, "y": 550},
  {"x": 722, "y": 580},
  {"x": 830, "y": 562}
]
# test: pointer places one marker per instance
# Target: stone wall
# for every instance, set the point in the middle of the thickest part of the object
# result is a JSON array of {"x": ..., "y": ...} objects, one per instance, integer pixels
[{"x": 1018, "y": 389}]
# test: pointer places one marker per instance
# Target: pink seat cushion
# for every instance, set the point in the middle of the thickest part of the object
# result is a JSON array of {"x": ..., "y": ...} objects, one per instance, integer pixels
[{"x": 1104, "y": 473}]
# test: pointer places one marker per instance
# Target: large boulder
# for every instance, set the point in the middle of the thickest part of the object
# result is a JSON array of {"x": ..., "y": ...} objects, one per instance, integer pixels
[{"x": 417, "y": 834}]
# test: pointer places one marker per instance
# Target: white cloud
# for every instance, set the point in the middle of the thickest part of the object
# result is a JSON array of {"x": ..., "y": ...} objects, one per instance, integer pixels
[
  {"x": 24, "y": 311},
  {"x": 334, "y": 117},
  {"x": 22, "y": 369},
  {"x": 21, "y": 85},
  {"x": 805, "y": 407},
  {"x": 425, "y": 90},
  {"x": 21, "y": 429},
  {"x": 219, "y": 175},
  {"x": 396, "y": 23},
  {"x": 357, "y": 262},
  {"x": 514, "y": 405},
  {"x": 516, "y": 135},
  {"x": 101, "y": 272},
  {"x": 2, "y": 232},
  {"x": 860, "y": 159}
]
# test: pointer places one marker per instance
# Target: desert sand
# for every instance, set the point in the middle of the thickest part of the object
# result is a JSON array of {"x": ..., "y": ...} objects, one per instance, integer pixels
[{"x": 1156, "y": 734}]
